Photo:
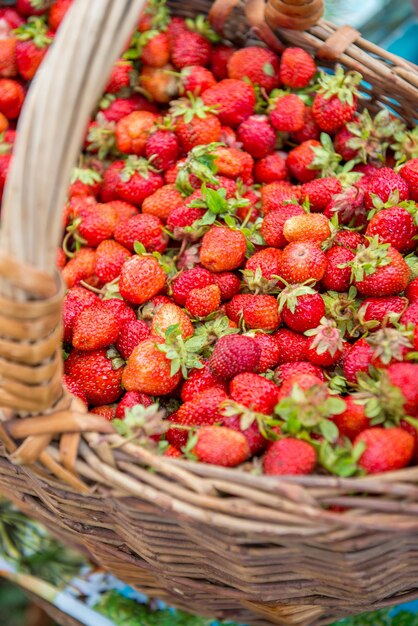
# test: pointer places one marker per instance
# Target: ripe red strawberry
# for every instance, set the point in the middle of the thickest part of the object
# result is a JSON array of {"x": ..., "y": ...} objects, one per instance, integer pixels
[
  {"x": 136, "y": 180},
  {"x": 410, "y": 315},
  {"x": 8, "y": 67},
  {"x": 300, "y": 161},
  {"x": 267, "y": 261},
  {"x": 326, "y": 344},
  {"x": 31, "y": 7},
  {"x": 276, "y": 194},
  {"x": 195, "y": 278},
  {"x": 257, "y": 136},
  {"x": 256, "y": 441},
  {"x": 235, "y": 308},
  {"x": 5, "y": 160},
  {"x": 292, "y": 368},
  {"x": 255, "y": 392},
  {"x": 198, "y": 381},
  {"x": 219, "y": 60},
  {"x": 133, "y": 130},
  {"x": 228, "y": 283},
  {"x": 262, "y": 312},
  {"x": 173, "y": 452},
  {"x": 386, "y": 184},
  {"x": 353, "y": 420},
  {"x": 259, "y": 65},
  {"x": 202, "y": 410},
  {"x": 120, "y": 76},
  {"x": 11, "y": 18},
  {"x": 195, "y": 124},
  {"x": 289, "y": 456},
  {"x": 387, "y": 449},
  {"x": 409, "y": 173},
  {"x": 301, "y": 261},
  {"x": 98, "y": 223},
  {"x": 121, "y": 309},
  {"x": 196, "y": 79},
  {"x": 141, "y": 278},
  {"x": 159, "y": 83},
  {"x": 320, "y": 192},
  {"x": 391, "y": 272},
  {"x": 223, "y": 249},
  {"x": 190, "y": 49},
  {"x": 147, "y": 229},
  {"x": 292, "y": 346},
  {"x": 305, "y": 382},
  {"x": 74, "y": 388},
  {"x": 271, "y": 168},
  {"x": 81, "y": 267},
  {"x": 162, "y": 149},
  {"x": 234, "y": 354},
  {"x": 12, "y": 96},
  {"x": 110, "y": 256},
  {"x": 233, "y": 163},
  {"x": 336, "y": 101},
  {"x": 94, "y": 374},
  {"x": 348, "y": 207},
  {"x": 95, "y": 328},
  {"x": 337, "y": 278},
  {"x": 411, "y": 291},
  {"x": 301, "y": 308},
  {"x": 168, "y": 315},
  {"x": 114, "y": 109},
  {"x": 162, "y": 202},
  {"x": 129, "y": 400},
  {"x": 222, "y": 446},
  {"x": 273, "y": 224},
  {"x": 201, "y": 302},
  {"x": 297, "y": 68},
  {"x": 33, "y": 42},
  {"x": 131, "y": 333},
  {"x": 235, "y": 100},
  {"x": 396, "y": 226},
  {"x": 382, "y": 311},
  {"x": 85, "y": 182},
  {"x": 148, "y": 370},
  {"x": 57, "y": 13},
  {"x": 313, "y": 227},
  {"x": 270, "y": 351},
  {"x": 404, "y": 376},
  {"x": 286, "y": 113},
  {"x": 76, "y": 301},
  {"x": 156, "y": 51},
  {"x": 357, "y": 359},
  {"x": 310, "y": 129},
  {"x": 348, "y": 239}
]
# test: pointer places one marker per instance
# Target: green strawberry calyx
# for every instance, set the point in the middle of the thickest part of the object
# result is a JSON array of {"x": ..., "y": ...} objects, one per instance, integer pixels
[
  {"x": 256, "y": 283},
  {"x": 117, "y": 361},
  {"x": 342, "y": 307},
  {"x": 405, "y": 145},
  {"x": 290, "y": 294},
  {"x": 383, "y": 402},
  {"x": 209, "y": 331},
  {"x": 265, "y": 423},
  {"x": 341, "y": 84},
  {"x": 190, "y": 107},
  {"x": 101, "y": 138},
  {"x": 369, "y": 258},
  {"x": 325, "y": 158},
  {"x": 200, "y": 162},
  {"x": 136, "y": 165},
  {"x": 217, "y": 206},
  {"x": 326, "y": 337},
  {"x": 85, "y": 175},
  {"x": 390, "y": 344},
  {"x": 141, "y": 423},
  {"x": 35, "y": 30},
  {"x": 202, "y": 26},
  {"x": 184, "y": 354},
  {"x": 340, "y": 459}
]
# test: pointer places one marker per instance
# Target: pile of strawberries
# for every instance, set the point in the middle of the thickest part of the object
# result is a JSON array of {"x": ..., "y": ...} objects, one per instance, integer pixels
[{"x": 239, "y": 251}]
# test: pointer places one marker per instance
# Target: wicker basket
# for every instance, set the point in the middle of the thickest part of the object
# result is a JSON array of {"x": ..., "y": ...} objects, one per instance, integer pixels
[{"x": 260, "y": 550}]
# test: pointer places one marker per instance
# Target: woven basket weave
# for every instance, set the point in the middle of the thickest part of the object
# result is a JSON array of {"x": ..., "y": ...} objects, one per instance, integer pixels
[{"x": 260, "y": 550}]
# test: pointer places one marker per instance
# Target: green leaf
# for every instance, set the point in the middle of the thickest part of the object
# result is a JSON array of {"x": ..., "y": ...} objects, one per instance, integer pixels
[
  {"x": 329, "y": 430},
  {"x": 268, "y": 69},
  {"x": 139, "y": 248}
]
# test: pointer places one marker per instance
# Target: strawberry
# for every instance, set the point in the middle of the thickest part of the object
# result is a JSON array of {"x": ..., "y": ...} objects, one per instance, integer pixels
[
  {"x": 12, "y": 96},
  {"x": 274, "y": 222},
  {"x": 320, "y": 192},
  {"x": 80, "y": 267},
  {"x": 219, "y": 61},
  {"x": 289, "y": 456},
  {"x": 156, "y": 51},
  {"x": 257, "y": 136},
  {"x": 411, "y": 291},
  {"x": 95, "y": 328},
  {"x": 5, "y": 160},
  {"x": 110, "y": 256},
  {"x": 129, "y": 400},
  {"x": 71, "y": 385},
  {"x": 131, "y": 333},
  {"x": 233, "y": 163},
  {"x": 348, "y": 207},
  {"x": 234, "y": 99},
  {"x": 270, "y": 351},
  {"x": 288, "y": 370},
  {"x": 386, "y": 185},
  {"x": 229, "y": 284},
  {"x": 8, "y": 67},
  {"x": 94, "y": 374},
  {"x": 195, "y": 278},
  {"x": 202, "y": 302},
  {"x": 257, "y": 443},
  {"x": 301, "y": 261},
  {"x": 259, "y": 65},
  {"x": 148, "y": 370},
  {"x": 276, "y": 194},
  {"x": 410, "y": 315},
  {"x": 235, "y": 308},
  {"x": 195, "y": 125},
  {"x": 255, "y": 392},
  {"x": 120, "y": 76},
  {"x": 147, "y": 229},
  {"x": 196, "y": 79},
  {"x": 301, "y": 307},
  {"x": 305, "y": 382},
  {"x": 170, "y": 314},
  {"x": 379, "y": 270},
  {"x": 409, "y": 173},
  {"x": 387, "y": 449},
  {"x": 141, "y": 278},
  {"x": 173, "y": 452},
  {"x": 262, "y": 312},
  {"x": 57, "y": 13},
  {"x": 124, "y": 211},
  {"x": 223, "y": 249},
  {"x": 357, "y": 359},
  {"x": 76, "y": 301},
  {"x": 162, "y": 149},
  {"x": 348, "y": 239},
  {"x": 222, "y": 446},
  {"x": 326, "y": 344},
  {"x": 292, "y": 346},
  {"x": 381, "y": 311},
  {"x": 336, "y": 101},
  {"x": 310, "y": 130},
  {"x": 132, "y": 132},
  {"x": 33, "y": 41},
  {"x": 234, "y": 354},
  {"x": 113, "y": 109},
  {"x": 312, "y": 227},
  {"x": 300, "y": 161},
  {"x": 162, "y": 202},
  {"x": 286, "y": 113},
  {"x": 31, "y": 7},
  {"x": 395, "y": 225},
  {"x": 337, "y": 278},
  {"x": 11, "y": 18},
  {"x": 97, "y": 223},
  {"x": 267, "y": 262},
  {"x": 190, "y": 49},
  {"x": 271, "y": 168},
  {"x": 159, "y": 83},
  {"x": 85, "y": 182},
  {"x": 353, "y": 420},
  {"x": 297, "y": 68},
  {"x": 202, "y": 410},
  {"x": 136, "y": 180},
  {"x": 198, "y": 381}
]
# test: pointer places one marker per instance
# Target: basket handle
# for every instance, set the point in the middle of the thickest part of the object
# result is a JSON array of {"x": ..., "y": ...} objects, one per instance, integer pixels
[{"x": 293, "y": 14}]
